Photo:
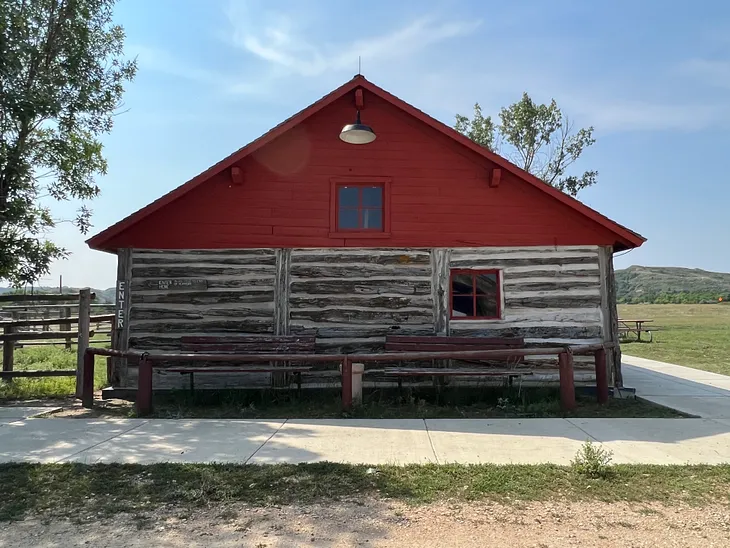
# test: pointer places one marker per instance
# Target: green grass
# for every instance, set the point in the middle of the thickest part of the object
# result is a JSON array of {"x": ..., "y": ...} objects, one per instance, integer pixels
[
  {"x": 696, "y": 336},
  {"x": 47, "y": 357},
  {"x": 87, "y": 492},
  {"x": 483, "y": 402}
]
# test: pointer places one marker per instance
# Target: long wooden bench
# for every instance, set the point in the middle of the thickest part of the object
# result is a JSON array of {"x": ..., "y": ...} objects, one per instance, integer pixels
[
  {"x": 435, "y": 343},
  {"x": 247, "y": 344}
]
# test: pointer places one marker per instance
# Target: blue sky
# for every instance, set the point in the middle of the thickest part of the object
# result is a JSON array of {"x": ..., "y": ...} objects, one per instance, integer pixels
[{"x": 653, "y": 78}]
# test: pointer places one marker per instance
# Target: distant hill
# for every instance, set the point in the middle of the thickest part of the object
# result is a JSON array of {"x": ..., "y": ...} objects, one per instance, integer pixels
[
  {"x": 651, "y": 284},
  {"x": 103, "y": 296}
]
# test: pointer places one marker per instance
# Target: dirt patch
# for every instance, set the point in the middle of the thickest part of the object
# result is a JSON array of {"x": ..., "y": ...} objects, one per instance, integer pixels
[{"x": 389, "y": 524}]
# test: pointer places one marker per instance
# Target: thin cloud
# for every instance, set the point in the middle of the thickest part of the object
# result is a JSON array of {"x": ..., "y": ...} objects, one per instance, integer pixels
[
  {"x": 712, "y": 72},
  {"x": 160, "y": 61},
  {"x": 285, "y": 44}
]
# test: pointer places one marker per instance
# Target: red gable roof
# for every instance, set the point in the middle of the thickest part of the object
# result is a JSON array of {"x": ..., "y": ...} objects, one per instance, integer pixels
[{"x": 623, "y": 234}]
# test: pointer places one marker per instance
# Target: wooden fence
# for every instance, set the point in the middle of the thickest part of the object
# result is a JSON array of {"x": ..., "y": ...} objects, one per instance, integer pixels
[{"x": 15, "y": 332}]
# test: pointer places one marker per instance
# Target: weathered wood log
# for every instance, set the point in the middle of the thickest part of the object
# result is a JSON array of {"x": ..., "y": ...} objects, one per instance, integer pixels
[
  {"x": 176, "y": 259},
  {"x": 364, "y": 331},
  {"x": 391, "y": 257},
  {"x": 490, "y": 262},
  {"x": 140, "y": 313},
  {"x": 378, "y": 301},
  {"x": 218, "y": 282},
  {"x": 242, "y": 325},
  {"x": 517, "y": 285},
  {"x": 203, "y": 252},
  {"x": 201, "y": 271},
  {"x": 512, "y": 274},
  {"x": 361, "y": 286},
  {"x": 206, "y": 297},
  {"x": 410, "y": 316},
  {"x": 362, "y": 270},
  {"x": 558, "y": 301}
]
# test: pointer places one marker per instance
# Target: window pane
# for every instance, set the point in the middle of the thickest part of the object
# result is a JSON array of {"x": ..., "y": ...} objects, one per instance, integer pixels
[
  {"x": 487, "y": 306},
  {"x": 347, "y": 219},
  {"x": 462, "y": 306},
  {"x": 486, "y": 284},
  {"x": 372, "y": 196},
  {"x": 461, "y": 284},
  {"x": 372, "y": 219},
  {"x": 348, "y": 196}
]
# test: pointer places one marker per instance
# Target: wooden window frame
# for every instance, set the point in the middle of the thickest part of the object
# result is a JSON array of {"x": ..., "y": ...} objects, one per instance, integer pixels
[
  {"x": 474, "y": 272},
  {"x": 365, "y": 233}
]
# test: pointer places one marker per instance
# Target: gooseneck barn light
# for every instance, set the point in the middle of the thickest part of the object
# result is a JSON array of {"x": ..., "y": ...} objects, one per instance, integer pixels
[{"x": 357, "y": 133}]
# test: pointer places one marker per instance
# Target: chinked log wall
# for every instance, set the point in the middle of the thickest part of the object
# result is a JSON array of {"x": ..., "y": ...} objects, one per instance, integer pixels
[{"x": 353, "y": 298}]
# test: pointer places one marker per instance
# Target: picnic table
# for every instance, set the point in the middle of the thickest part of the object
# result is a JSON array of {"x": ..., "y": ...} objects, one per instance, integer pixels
[{"x": 627, "y": 326}]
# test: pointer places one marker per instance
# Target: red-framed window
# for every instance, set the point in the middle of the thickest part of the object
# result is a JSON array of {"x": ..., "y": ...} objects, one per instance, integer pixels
[
  {"x": 475, "y": 295},
  {"x": 360, "y": 207}
]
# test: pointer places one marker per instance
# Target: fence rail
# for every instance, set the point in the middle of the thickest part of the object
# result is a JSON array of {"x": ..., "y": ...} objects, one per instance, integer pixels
[{"x": 12, "y": 335}]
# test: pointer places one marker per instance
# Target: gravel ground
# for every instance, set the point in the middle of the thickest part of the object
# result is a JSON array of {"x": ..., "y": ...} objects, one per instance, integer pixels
[{"x": 387, "y": 524}]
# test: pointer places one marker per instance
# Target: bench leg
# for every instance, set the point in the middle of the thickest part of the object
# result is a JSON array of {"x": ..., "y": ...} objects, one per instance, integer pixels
[
  {"x": 144, "y": 388},
  {"x": 567, "y": 381},
  {"x": 346, "y": 384},
  {"x": 299, "y": 384},
  {"x": 192, "y": 384}
]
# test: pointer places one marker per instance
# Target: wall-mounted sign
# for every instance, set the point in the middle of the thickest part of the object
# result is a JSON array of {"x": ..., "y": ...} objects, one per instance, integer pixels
[
  {"x": 121, "y": 301},
  {"x": 181, "y": 284}
]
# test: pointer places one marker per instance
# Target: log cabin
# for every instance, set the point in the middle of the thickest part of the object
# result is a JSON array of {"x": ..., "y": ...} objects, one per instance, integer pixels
[{"x": 401, "y": 226}]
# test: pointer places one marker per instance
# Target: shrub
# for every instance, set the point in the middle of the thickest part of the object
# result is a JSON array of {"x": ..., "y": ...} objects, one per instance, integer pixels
[{"x": 592, "y": 461}]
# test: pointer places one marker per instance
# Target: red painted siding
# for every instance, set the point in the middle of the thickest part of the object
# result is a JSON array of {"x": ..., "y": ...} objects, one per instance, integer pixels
[{"x": 439, "y": 194}]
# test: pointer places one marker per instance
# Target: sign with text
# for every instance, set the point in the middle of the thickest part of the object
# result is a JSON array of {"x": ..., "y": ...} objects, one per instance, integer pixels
[
  {"x": 121, "y": 301},
  {"x": 180, "y": 284}
]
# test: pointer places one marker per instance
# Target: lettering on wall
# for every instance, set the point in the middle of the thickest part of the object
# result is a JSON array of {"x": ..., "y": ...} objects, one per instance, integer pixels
[
  {"x": 121, "y": 301},
  {"x": 180, "y": 284}
]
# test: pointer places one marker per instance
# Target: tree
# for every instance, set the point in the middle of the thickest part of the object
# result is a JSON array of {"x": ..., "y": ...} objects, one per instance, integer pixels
[
  {"x": 539, "y": 138},
  {"x": 62, "y": 73}
]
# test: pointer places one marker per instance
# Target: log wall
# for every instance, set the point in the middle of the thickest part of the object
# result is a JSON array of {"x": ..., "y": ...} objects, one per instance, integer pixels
[
  {"x": 352, "y": 298},
  {"x": 551, "y": 296}
]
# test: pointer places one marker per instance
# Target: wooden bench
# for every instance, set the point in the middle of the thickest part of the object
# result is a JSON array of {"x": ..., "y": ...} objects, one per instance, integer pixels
[
  {"x": 247, "y": 344},
  {"x": 400, "y": 343}
]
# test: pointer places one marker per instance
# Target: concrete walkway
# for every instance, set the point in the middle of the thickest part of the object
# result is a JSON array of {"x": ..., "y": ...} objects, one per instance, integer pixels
[
  {"x": 692, "y": 391},
  {"x": 528, "y": 441},
  {"x": 654, "y": 441}
]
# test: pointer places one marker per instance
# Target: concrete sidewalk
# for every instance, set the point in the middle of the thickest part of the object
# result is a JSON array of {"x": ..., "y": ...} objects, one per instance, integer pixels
[
  {"x": 692, "y": 391},
  {"x": 502, "y": 441},
  {"x": 651, "y": 441}
]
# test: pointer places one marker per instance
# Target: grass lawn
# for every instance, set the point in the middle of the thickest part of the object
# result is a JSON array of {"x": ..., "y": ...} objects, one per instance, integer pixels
[
  {"x": 47, "y": 357},
  {"x": 102, "y": 490},
  {"x": 692, "y": 335}
]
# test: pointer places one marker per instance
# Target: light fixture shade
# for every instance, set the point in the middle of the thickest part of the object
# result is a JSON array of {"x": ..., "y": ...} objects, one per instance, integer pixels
[{"x": 357, "y": 133}]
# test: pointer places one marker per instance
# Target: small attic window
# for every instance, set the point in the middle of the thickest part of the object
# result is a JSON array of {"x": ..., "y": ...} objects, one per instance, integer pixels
[{"x": 360, "y": 208}]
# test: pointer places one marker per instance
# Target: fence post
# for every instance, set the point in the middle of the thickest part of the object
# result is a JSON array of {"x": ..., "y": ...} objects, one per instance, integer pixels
[
  {"x": 144, "y": 387},
  {"x": 567, "y": 382},
  {"x": 346, "y": 383},
  {"x": 87, "y": 396},
  {"x": 601, "y": 376},
  {"x": 8, "y": 349},
  {"x": 83, "y": 336}
]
